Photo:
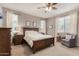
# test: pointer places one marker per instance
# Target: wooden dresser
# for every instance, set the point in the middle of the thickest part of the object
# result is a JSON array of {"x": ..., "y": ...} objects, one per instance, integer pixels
[{"x": 5, "y": 47}]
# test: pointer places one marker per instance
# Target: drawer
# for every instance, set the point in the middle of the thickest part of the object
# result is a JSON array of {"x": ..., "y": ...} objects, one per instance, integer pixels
[{"x": 5, "y": 54}]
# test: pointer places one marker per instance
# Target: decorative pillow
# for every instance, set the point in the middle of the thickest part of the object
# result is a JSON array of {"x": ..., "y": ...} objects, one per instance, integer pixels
[{"x": 68, "y": 36}]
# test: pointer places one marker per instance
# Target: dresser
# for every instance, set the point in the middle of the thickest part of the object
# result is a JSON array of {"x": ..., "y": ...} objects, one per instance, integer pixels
[
  {"x": 5, "y": 46},
  {"x": 17, "y": 40}
]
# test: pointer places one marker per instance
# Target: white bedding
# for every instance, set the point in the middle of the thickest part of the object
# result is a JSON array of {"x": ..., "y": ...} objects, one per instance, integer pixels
[{"x": 31, "y": 36}]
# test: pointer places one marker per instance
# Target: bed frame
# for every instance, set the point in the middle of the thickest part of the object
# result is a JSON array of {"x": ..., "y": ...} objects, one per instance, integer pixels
[{"x": 40, "y": 44}]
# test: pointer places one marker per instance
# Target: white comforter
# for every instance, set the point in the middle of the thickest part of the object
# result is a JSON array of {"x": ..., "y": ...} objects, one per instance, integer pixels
[{"x": 31, "y": 36}]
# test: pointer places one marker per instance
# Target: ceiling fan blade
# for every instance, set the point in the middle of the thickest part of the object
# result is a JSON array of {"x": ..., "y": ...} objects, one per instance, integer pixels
[{"x": 54, "y": 3}]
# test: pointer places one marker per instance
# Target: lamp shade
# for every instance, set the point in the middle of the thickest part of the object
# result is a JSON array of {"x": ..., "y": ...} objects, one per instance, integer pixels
[{"x": 19, "y": 30}]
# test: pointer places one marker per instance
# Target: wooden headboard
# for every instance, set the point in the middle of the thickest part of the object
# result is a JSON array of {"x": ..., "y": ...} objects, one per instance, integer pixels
[{"x": 29, "y": 29}]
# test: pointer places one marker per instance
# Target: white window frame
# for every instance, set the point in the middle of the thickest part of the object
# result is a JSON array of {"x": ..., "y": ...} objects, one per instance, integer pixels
[{"x": 43, "y": 26}]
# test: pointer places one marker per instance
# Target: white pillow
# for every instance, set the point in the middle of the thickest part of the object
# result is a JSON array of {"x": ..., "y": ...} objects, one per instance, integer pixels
[
  {"x": 32, "y": 33},
  {"x": 68, "y": 36}
]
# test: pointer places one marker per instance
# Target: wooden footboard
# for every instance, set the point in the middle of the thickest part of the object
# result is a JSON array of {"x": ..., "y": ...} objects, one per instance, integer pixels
[{"x": 40, "y": 44}]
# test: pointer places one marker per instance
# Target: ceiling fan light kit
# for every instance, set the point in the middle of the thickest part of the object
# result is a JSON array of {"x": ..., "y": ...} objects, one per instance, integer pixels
[{"x": 49, "y": 7}]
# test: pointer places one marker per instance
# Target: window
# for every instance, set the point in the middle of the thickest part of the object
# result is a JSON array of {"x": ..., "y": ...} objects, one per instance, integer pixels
[
  {"x": 12, "y": 19},
  {"x": 60, "y": 25},
  {"x": 43, "y": 26},
  {"x": 67, "y": 24},
  {"x": 14, "y": 22},
  {"x": 63, "y": 24}
]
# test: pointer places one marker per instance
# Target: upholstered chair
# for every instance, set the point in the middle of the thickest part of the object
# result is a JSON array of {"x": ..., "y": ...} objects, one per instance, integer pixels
[{"x": 69, "y": 40}]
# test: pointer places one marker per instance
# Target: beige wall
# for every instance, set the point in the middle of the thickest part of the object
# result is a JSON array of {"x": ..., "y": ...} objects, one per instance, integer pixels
[
  {"x": 52, "y": 21},
  {"x": 23, "y": 18}
]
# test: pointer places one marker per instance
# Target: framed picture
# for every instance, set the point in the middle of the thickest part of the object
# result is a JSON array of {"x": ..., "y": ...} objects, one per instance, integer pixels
[
  {"x": 28, "y": 23},
  {"x": 34, "y": 24}
]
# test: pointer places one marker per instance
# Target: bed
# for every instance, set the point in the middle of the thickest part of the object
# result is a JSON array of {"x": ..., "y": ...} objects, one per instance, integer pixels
[{"x": 36, "y": 40}]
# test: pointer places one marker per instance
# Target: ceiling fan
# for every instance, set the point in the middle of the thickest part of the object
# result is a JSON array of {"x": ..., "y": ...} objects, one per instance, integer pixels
[{"x": 49, "y": 7}]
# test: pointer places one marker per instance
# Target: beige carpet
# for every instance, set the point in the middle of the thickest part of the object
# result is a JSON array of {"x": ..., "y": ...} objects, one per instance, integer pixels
[{"x": 57, "y": 50}]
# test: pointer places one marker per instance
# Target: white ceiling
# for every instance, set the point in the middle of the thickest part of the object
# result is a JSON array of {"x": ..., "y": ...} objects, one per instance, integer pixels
[{"x": 31, "y": 8}]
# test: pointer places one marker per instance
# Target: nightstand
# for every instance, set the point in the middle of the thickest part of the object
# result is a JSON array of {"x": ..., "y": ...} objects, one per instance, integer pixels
[
  {"x": 52, "y": 41},
  {"x": 17, "y": 40}
]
